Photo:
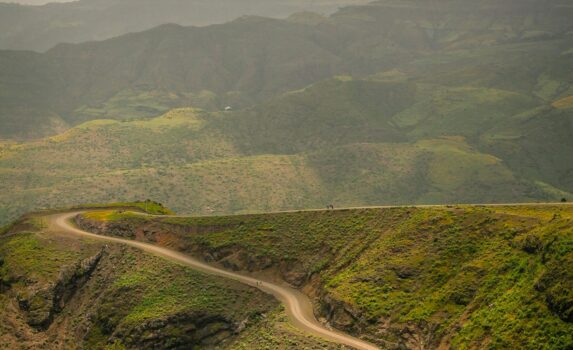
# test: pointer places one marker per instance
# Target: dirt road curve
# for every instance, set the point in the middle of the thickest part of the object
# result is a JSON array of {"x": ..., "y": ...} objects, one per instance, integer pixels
[{"x": 298, "y": 306}]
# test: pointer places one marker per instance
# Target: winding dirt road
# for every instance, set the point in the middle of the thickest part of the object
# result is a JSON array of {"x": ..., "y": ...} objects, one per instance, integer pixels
[{"x": 298, "y": 306}]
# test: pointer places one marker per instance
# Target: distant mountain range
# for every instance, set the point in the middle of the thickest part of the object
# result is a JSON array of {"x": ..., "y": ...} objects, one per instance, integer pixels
[
  {"x": 39, "y": 28},
  {"x": 34, "y": 2},
  {"x": 248, "y": 60},
  {"x": 389, "y": 103}
]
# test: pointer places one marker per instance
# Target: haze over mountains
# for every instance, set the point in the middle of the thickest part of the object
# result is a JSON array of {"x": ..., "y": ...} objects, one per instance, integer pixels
[
  {"x": 388, "y": 103},
  {"x": 273, "y": 115},
  {"x": 34, "y": 2},
  {"x": 41, "y": 27},
  {"x": 252, "y": 59}
]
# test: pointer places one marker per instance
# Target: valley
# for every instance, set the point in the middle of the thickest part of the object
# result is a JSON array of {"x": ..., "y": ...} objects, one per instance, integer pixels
[{"x": 325, "y": 144}]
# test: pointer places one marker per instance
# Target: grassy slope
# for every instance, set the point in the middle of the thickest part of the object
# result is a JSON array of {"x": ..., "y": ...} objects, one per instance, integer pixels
[
  {"x": 275, "y": 332},
  {"x": 444, "y": 170},
  {"x": 469, "y": 277},
  {"x": 508, "y": 95},
  {"x": 131, "y": 161},
  {"x": 128, "y": 292},
  {"x": 327, "y": 143}
]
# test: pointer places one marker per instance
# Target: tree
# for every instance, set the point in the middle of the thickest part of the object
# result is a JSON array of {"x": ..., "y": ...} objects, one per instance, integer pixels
[{"x": 563, "y": 200}]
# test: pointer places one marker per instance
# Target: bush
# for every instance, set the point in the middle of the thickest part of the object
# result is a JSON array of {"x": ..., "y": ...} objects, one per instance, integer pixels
[{"x": 531, "y": 244}]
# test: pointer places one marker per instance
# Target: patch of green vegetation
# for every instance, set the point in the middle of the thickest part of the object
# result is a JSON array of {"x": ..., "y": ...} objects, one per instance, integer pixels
[
  {"x": 117, "y": 345},
  {"x": 147, "y": 289},
  {"x": 147, "y": 206},
  {"x": 548, "y": 88},
  {"x": 131, "y": 104},
  {"x": 171, "y": 290},
  {"x": 463, "y": 111},
  {"x": 36, "y": 255}
]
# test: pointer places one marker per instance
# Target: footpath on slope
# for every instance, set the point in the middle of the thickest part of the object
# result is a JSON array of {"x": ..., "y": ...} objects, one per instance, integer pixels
[{"x": 298, "y": 306}]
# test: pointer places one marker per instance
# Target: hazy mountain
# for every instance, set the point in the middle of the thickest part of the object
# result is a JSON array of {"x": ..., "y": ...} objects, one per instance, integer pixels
[
  {"x": 394, "y": 102},
  {"x": 252, "y": 59},
  {"x": 33, "y": 2},
  {"x": 42, "y": 27}
]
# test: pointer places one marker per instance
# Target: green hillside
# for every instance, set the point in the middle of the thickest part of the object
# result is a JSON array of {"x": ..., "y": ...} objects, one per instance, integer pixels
[
  {"x": 190, "y": 161},
  {"x": 449, "y": 277},
  {"x": 247, "y": 129},
  {"x": 461, "y": 277},
  {"x": 57, "y": 290},
  {"x": 325, "y": 144},
  {"x": 390, "y": 103}
]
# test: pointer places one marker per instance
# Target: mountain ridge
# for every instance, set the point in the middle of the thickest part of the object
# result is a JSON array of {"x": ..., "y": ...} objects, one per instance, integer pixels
[
  {"x": 41, "y": 27},
  {"x": 442, "y": 108}
]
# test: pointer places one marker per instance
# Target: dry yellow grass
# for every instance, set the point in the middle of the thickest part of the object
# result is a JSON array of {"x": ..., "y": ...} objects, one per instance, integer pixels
[{"x": 566, "y": 102}]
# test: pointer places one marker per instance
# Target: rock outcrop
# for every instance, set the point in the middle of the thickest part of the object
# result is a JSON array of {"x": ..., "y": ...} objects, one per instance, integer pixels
[
  {"x": 41, "y": 305},
  {"x": 181, "y": 331}
]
